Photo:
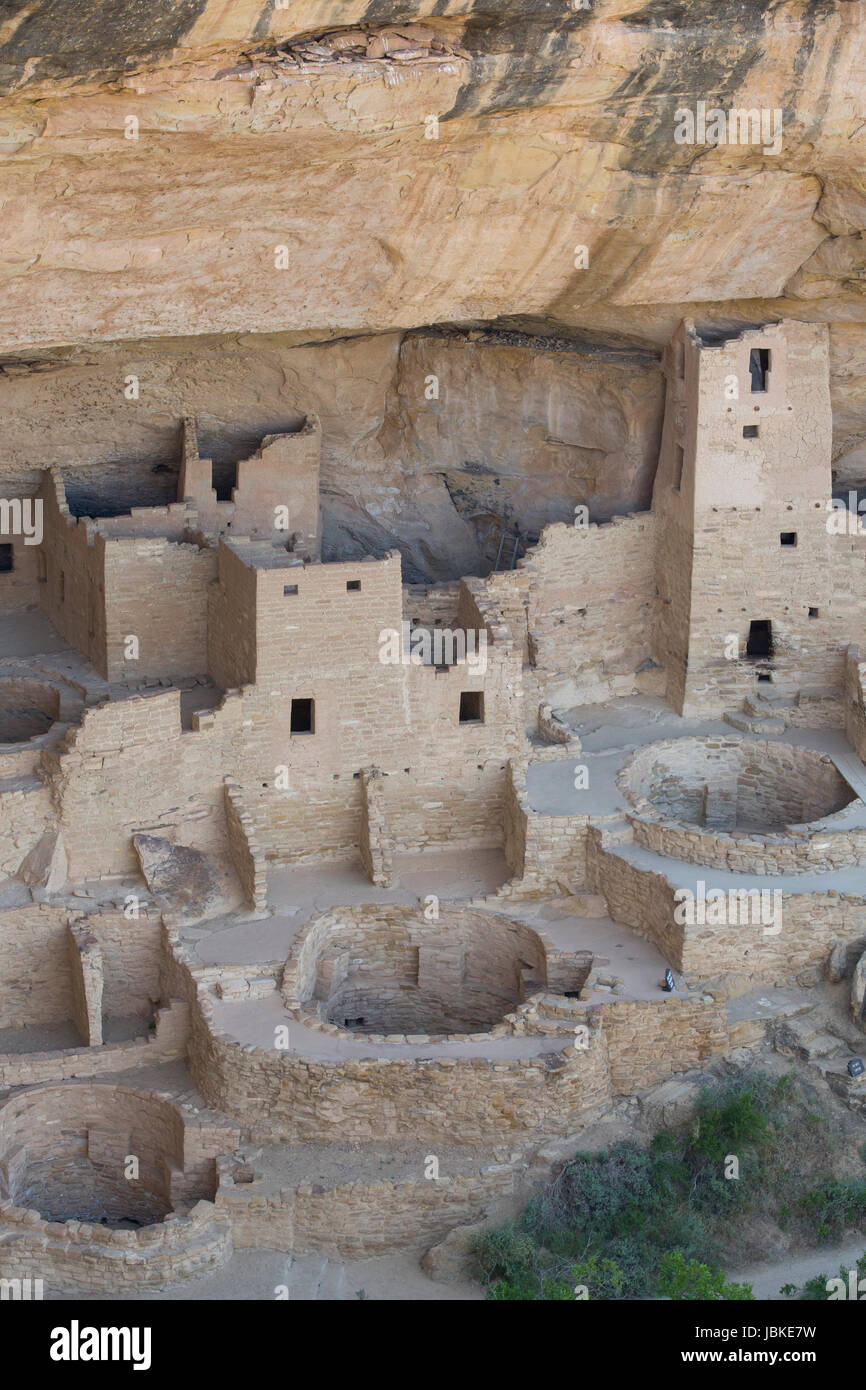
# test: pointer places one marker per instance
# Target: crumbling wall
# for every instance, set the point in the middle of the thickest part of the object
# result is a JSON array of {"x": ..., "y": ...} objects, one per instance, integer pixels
[
  {"x": 25, "y": 813},
  {"x": 73, "y": 593},
  {"x": 127, "y": 768},
  {"x": 591, "y": 606}
]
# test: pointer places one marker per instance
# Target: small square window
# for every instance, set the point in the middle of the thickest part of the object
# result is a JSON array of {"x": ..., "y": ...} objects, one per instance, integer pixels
[
  {"x": 6, "y": 563},
  {"x": 353, "y": 585},
  {"x": 788, "y": 538},
  {"x": 813, "y": 613},
  {"x": 750, "y": 431},
  {"x": 471, "y": 707},
  {"x": 289, "y": 589},
  {"x": 765, "y": 677},
  {"x": 303, "y": 719}
]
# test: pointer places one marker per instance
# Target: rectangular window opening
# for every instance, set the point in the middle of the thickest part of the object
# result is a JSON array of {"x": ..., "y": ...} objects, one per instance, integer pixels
[
  {"x": 353, "y": 585},
  {"x": 813, "y": 613},
  {"x": 303, "y": 717},
  {"x": 759, "y": 368},
  {"x": 787, "y": 537},
  {"x": 750, "y": 431},
  {"x": 6, "y": 561},
  {"x": 289, "y": 589},
  {"x": 764, "y": 676},
  {"x": 471, "y": 707}
]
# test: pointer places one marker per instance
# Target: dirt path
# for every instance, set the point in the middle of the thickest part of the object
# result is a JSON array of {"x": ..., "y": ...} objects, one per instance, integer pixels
[{"x": 767, "y": 1280}]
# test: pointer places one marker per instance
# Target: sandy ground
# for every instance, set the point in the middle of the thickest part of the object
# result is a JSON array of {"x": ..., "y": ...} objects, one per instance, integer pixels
[
  {"x": 767, "y": 1280},
  {"x": 267, "y": 1275}
]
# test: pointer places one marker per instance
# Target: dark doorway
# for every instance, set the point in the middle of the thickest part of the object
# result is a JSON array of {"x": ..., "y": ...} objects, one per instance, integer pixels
[
  {"x": 760, "y": 641},
  {"x": 6, "y": 563}
]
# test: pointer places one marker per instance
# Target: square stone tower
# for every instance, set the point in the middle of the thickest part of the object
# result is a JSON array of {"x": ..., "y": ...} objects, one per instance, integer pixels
[{"x": 745, "y": 558}]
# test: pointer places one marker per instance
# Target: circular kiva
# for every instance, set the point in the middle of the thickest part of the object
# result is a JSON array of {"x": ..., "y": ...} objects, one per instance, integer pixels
[
  {"x": 744, "y": 805},
  {"x": 736, "y": 784},
  {"x": 107, "y": 1155},
  {"x": 27, "y": 709},
  {"x": 374, "y": 970}
]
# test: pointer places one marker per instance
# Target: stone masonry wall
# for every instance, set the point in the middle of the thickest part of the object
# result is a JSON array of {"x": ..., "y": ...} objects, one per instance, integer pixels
[
  {"x": 156, "y": 591},
  {"x": 544, "y": 853},
  {"x": 247, "y": 855},
  {"x": 855, "y": 702},
  {"x": 650, "y": 1041},
  {"x": 360, "y": 1219},
  {"x": 35, "y": 967},
  {"x": 25, "y": 812}
]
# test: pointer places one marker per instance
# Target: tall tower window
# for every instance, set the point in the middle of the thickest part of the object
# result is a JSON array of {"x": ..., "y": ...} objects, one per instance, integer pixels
[{"x": 759, "y": 368}]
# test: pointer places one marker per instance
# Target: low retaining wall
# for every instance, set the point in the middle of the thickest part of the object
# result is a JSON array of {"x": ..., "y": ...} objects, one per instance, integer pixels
[
  {"x": 644, "y": 900},
  {"x": 166, "y": 1044},
  {"x": 545, "y": 854},
  {"x": 358, "y": 1219}
]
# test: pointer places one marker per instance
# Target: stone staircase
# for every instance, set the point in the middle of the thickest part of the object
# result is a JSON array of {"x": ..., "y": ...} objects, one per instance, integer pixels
[{"x": 761, "y": 714}]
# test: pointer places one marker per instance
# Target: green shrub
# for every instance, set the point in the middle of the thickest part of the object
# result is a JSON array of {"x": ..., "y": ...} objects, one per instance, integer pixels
[
  {"x": 835, "y": 1206},
  {"x": 689, "y": 1279},
  {"x": 625, "y": 1221}
]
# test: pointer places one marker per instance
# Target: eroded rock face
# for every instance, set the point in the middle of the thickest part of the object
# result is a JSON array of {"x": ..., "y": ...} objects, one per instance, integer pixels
[
  {"x": 520, "y": 430},
  {"x": 557, "y": 130},
  {"x": 506, "y": 164}
]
